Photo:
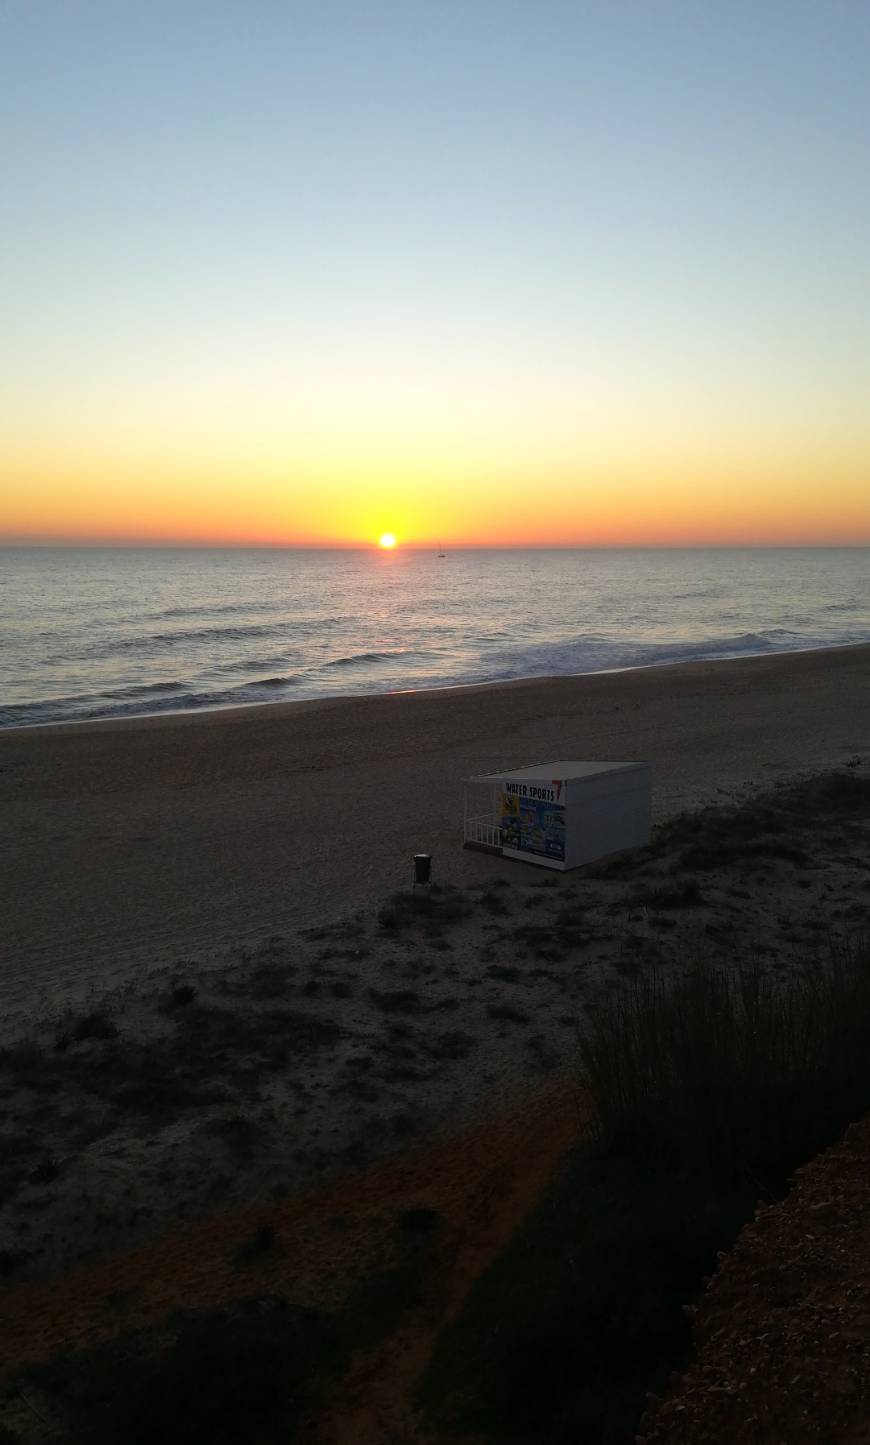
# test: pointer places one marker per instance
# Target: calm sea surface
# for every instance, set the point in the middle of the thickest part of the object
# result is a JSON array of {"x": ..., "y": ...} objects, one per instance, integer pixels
[{"x": 106, "y": 633}]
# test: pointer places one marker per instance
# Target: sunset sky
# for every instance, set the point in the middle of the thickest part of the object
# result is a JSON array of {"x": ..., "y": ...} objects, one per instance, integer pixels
[{"x": 558, "y": 272}]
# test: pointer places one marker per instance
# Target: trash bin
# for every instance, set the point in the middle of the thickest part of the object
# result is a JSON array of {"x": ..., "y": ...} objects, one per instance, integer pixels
[{"x": 422, "y": 867}]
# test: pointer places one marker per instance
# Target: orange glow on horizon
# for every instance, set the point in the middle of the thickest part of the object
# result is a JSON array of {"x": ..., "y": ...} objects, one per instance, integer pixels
[{"x": 629, "y": 493}]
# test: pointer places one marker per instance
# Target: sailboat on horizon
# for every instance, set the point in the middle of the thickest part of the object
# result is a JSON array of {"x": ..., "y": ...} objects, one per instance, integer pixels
[{"x": 441, "y": 552}]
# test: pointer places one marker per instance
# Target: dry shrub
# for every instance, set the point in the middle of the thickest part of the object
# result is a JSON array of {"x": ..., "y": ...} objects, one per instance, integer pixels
[{"x": 734, "y": 1072}]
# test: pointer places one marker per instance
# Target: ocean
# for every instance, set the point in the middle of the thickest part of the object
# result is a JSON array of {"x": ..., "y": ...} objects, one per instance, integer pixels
[{"x": 95, "y": 633}]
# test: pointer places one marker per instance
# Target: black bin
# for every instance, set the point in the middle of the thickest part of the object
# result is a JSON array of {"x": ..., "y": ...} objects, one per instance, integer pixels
[{"x": 422, "y": 867}]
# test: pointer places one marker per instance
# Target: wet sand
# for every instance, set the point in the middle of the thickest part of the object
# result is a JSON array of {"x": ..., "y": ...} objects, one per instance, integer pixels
[{"x": 129, "y": 843}]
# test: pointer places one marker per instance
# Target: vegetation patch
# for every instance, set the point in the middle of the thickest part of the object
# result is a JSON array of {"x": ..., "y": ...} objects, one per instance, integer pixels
[
  {"x": 583, "y": 1312},
  {"x": 709, "y": 1088},
  {"x": 783, "y": 824},
  {"x": 399, "y": 1000},
  {"x": 740, "y": 1073},
  {"x": 436, "y": 905},
  {"x": 248, "y": 1373},
  {"x": 262, "y": 1242},
  {"x": 454, "y": 1044},
  {"x": 685, "y": 894},
  {"x": 505, "y": 973},
  {"x": 506, "y": 1013}
]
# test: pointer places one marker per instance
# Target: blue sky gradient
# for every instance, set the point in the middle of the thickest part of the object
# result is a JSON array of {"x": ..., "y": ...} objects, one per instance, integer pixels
[{"x": 665, "y": 200}]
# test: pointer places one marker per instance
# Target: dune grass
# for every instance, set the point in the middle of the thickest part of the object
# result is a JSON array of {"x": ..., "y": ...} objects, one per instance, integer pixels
[{"x": 742, "y": 1073}]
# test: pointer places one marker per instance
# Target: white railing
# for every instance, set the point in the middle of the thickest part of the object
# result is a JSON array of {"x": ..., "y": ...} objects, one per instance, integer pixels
[{"x": 482, "y": 832}]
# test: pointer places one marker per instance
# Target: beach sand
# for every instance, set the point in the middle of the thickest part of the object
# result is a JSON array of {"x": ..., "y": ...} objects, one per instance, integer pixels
[
  {"x": 129, "y": 844},
  {"x": 189, "y": 1117}
]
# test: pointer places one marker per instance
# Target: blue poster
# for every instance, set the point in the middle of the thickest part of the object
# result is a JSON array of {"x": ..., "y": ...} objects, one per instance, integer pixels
[{"x": 531, "y": 825}]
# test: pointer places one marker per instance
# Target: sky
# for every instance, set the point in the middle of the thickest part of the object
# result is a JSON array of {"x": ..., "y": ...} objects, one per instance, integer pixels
[{"x": 558, "y": 272}]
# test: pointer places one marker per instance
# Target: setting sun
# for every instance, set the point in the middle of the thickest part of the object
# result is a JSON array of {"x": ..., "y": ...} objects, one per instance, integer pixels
[{"x": 387, "y": 540}]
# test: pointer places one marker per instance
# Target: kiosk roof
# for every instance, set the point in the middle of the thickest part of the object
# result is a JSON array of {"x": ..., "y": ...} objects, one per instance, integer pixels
[{"x": 562, "y": 769}]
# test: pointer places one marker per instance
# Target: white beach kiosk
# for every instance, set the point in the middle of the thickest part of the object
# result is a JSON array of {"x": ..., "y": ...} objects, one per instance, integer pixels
[{"x": 560, "y": 815}]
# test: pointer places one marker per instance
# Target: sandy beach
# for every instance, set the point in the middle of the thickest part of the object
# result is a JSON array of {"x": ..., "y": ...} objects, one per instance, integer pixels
[
  {"x": 128, "y": 844},
  {"x": 243, "y": 1061}
]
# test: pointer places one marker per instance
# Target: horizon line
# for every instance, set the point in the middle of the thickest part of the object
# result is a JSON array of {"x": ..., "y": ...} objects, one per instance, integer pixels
[{"x": 70, "y": 545}]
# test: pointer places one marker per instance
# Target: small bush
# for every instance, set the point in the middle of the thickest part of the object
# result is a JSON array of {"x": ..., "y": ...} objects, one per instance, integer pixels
[
  {"x": 435, "y": 906},
  {"x": 686, "y": 894},
  {"x": 261, "y": 1242},
  {"x": 494, "y": 903},
  {"x": 94, "y": 1026},
  {"x": 237, "y": 1131},
  {"x": 24, "y": 1059},
  {"x": 453, "y": 1045},
  {"x": 400, "y": 1000},
  {"x": 183, "y": 993},
  {"x": 507, "y": 1013},
  {"x": 420, "y": 1220},
  {"x": 45, "y": 1172}
]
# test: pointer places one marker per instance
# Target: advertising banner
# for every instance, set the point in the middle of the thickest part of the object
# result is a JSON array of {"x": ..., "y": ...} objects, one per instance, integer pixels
[{"x": 533, "y": 825}]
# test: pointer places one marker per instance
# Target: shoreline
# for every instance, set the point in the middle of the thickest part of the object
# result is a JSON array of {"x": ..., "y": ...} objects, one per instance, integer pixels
[
  {"x": 205, "y": 712},
  {"x": 130, "y": 843}
]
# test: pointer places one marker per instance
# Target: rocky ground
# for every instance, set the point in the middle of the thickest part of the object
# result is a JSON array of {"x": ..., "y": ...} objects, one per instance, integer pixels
[{"x": 783, "y": 1331}]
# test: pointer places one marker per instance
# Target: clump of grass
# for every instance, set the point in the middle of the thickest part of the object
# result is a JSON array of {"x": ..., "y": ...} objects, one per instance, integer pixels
[
  {"x": 384, "y": 1298},
  {"x": 178, "y": 997},
  {"x": 719, "y": 853},
  {"x": 399, "y": 1000},
  {"x": 120, "y": 1299},
  {"x": 10, "y": 1260},
  {"x": 270, "y": 979},
  {"x": 437, "y": 904},
  {"x": 506, "y": 1013},
  {"x": 262, "y": 1242},
  {"x": 237, "y": 1131},
  {"x": 545, "y": 1057},
  {"x": 505, "y": 973},
  {"x": 733, "y": 1072},
  {"x": 452, "y": 1045},
  {"x": 685, "y": 894},
  {"x": 90, "y": 1027},
  {"x": 420, "y": 1220},
  {"x": 249, "y": 1372},
  {"x": 44, "y": 1173},
  {"x": 23, "y": 1060},
  {"x": 494, "y": 902},
  {"x": 182, "y": 994},
  {"x": 551, "y": 943},
  {"x": 95, "y": 1025}
]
